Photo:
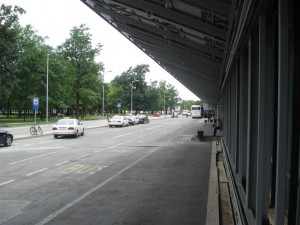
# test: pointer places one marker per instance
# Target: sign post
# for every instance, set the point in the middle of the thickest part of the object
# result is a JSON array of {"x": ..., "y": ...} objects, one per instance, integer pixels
[
  {"x": 119, "y": 105},
  {"x": 35, "y": 106}
]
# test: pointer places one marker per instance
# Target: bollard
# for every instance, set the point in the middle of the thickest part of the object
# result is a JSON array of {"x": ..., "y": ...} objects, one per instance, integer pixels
[{"x": 200, "y": 134}]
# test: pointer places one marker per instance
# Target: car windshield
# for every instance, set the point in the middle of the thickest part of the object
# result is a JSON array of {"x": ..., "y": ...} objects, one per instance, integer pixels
[
  {"x": 65, "y": 122},
  {"x": 117, "y": 117}
]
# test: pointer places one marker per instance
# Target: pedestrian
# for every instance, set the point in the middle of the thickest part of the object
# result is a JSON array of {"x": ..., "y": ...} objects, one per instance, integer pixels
[
  {"x": 218, "y": 126},
  {"x": 209, "y": 116}
]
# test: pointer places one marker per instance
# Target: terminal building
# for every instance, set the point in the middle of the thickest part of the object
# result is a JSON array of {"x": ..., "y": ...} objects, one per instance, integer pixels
[{"x": 242, "y": 58}]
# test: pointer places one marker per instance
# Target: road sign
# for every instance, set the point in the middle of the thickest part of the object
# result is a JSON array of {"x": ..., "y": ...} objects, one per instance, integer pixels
[
  {"x": 119, "y": 105},
  {"x": 35, "y": 104}
]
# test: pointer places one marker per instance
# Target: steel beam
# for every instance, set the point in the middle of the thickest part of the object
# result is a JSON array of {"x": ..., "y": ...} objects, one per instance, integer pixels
[
  {"x": 175, "y": 16},
  {"x": 283, "y": 105}
]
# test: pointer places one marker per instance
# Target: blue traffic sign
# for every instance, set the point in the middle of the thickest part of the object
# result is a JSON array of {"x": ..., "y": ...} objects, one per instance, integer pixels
[{"x": 35, "y": 103}]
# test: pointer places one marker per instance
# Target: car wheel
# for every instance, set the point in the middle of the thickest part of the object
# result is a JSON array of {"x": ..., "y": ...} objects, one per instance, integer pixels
[
  {"x": 55, "y": 136},
  {"x": 8, "y": 140},
  {"x": 82, "y": 133}
]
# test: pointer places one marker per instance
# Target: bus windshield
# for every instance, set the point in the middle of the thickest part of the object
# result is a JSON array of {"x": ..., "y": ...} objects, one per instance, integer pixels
[{"x": 196, "y": 111}]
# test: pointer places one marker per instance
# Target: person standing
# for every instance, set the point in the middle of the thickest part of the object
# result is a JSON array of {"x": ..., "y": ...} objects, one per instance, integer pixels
[
  {"x": 218, "y": 126},
  {"x": 209, "y": 116}
]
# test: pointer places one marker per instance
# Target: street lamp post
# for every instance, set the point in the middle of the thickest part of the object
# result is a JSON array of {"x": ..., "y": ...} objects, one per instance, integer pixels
[
  {"x": 47, "y": 90},
  {"x": 103, "y": 99},
  {"x": 131, "y": 93},
  {"x": 165, "y": 103}
]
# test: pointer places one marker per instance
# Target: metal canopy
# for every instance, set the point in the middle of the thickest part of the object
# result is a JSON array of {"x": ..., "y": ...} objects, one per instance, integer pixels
[{"x": 187, "y": 38}]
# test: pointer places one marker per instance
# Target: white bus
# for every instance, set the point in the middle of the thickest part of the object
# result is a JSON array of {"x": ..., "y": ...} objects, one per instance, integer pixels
[{"x": 196, "y": 111}]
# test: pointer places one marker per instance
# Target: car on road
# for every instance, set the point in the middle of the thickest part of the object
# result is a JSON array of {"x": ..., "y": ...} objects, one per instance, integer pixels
[
  {"x": 156, "y": 114},
  {"x": 175, "y": 114},
  {"x": 118, "y": 121},
  {"x": 143, "y": 119},
  {"x": 68, "y": 127},
  {"x": 6, "y": 138},
  {"x": 132, "y": 120}
]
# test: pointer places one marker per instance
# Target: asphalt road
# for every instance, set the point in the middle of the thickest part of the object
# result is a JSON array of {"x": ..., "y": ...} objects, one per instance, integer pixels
[{"x": 144, "y": 174}]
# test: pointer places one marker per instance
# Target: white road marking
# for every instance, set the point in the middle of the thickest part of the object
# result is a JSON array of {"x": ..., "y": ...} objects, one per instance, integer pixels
[
  {"x": 138, "y": 131},
  {"x": 59, "y": 164},
  {"x": 35, "y": 172},
  {"x": 99, "y": 150},
  {"x": 82, "y": 156},
  {"x": 7, "y": 182},
  {"x": 37, "y": 149},
  {"x": 114, "y": 145}
]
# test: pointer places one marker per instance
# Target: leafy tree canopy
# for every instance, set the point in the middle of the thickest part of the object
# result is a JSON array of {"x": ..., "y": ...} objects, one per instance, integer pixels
[{"x": 9, "y": 33}]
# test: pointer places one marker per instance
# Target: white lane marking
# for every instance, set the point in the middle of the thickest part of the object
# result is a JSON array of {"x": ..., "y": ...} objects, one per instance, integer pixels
[
  {"x": 59, "y": 164},
  {"x": 35, "y": 172},
  {"x": 138, "y": 131},
  {"x": 99, "y": 150},
  {"x": 82, "y": 156},
  {"x": 7, "y": 182},
  {"x": 37, "y": 149},
  {"x": 114, "y": 145},
  {"x": 125, "y": 134},
  {"x": 83, "y": 196}
]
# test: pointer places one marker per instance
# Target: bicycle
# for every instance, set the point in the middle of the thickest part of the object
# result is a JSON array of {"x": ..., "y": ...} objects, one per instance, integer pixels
[{"x": 35, "y": 129}]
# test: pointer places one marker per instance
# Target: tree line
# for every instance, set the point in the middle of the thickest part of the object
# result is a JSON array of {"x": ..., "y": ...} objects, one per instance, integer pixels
[{"x": 74, "y": 78}]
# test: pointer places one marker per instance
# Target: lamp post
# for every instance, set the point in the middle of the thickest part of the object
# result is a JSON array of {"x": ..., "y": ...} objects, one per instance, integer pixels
[
  {"x": 47, "y": 90},
  {"x": 165, "y": 103},
  {"x": 131, "y": 93},
  {"x": 103, "y": 91}
]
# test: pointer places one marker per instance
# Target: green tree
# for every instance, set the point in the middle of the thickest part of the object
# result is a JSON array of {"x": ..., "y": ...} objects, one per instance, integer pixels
[
  {"x": 78, "y": 50},
  {"x": 31, "y": 73},
  {"x": 60, "y": 88},
  {"x": 121, "y": 88},
  {"x": 168, "y": 96},
  {"x": 9, "y": 33}
]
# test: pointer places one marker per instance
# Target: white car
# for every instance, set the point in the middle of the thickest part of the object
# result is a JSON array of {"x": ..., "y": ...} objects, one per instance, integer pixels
[
  {"x": 174, "y": 114},
  {"x": 68, "y": 127},
  {"x": 118, "y": 121}
]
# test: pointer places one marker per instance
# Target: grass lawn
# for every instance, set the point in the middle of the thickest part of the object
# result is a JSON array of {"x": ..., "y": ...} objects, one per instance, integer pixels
[{"x": 14, "y": 121}]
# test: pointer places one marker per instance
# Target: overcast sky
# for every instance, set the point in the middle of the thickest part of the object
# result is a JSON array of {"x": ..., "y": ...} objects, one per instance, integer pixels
[{"x": 55, "y": 19}]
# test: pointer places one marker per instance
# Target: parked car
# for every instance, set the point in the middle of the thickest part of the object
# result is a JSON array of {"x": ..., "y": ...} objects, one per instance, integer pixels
[
  {"x": 118, "y": 121},
  {"x": 143, "y": 119},
  {"x": 68, "y": 127},
  {"x": 132, "y": 120},
  {"x": 6, "y": 138},
  {"x": 156, "y": 114}
]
